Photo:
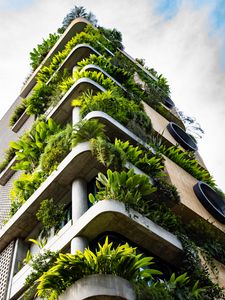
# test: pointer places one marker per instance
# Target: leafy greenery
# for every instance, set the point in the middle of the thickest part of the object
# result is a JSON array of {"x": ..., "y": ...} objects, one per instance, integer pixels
[
  {"x": 130, "y": 188},
  {"x": 117, "y": 106},
  {"x": 50, "y": 214},
  {"x": 121, "y": 261},
  {"x": 32, "y": 144},
  {"x": 19, "y": 110},
  {"x": 9, "y": 154},
  {"x": 23, "y": 188},
  {"x": 113, "y": 35},
  {"x": 76, "y": 12},
  {"x": 39, "y": 263},
  {"x": 39, "y": 53},
  {"x": 187, "y": 161},
  {"x": 57, "y": 148},
  {"x": 90, "y": 36}
]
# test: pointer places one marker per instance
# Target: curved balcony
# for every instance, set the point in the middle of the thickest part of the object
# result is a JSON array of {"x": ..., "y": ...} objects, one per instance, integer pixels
[
  {"x": 76, "y": 26},
  {"x": 78, "y": 53},
  {"x": 169, "y": 102},
  {"x": 112, "y": 215}
]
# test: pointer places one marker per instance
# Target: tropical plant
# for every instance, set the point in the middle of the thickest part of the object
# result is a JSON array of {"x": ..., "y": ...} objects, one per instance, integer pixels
[
  {"x": 23, "y": 188},
  {"x": 130, "y": 188},
  {"x": 40, "y": 263},
  {"x": 121, "y": 261},
  {"x": 50, "y": 214},
  {"x": 187, "y": 161},
  {"x": 38, "y": 101},
  {"x": 113, "y": 35},
  {"x": 57, "y": 148},
  {"x": 9, "y": 154},
  {"x": 32, "y": 144},
  {"x": 76, "y": 12},
  {"x": 39, "y": 53},
  {"x": 19, "y": 110},
  {"x": 117, "y": 106},
  {"x": 86, "y": 130},
  {"x": 89, "y": 36}
]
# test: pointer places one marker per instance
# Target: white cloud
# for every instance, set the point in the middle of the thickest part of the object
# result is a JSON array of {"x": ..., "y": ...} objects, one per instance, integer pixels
[{"x": 184, "y": 49}]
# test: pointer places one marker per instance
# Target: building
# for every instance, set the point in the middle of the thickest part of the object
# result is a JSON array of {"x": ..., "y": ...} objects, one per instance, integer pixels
[{"x": 73, "y": 177}]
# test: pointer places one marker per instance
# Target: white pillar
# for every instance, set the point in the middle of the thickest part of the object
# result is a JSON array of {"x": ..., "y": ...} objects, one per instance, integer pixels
[
  {"x": 78, "y": 243},
  {"x": 79, "y": 198},
  {"x": 76, "y": 115},
  {"x": 79, "y": 207}
]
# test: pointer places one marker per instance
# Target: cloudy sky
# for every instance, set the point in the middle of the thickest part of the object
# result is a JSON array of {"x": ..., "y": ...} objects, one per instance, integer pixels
[{"x": 182, "y": 39}]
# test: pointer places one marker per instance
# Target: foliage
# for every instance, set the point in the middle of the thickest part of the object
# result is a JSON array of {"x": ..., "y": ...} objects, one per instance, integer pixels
[
  {"x": 113, "y": 35},
  {"x": 107, "y": 154},
  {"x": 131, "y": 189},
  {"x": 76, "y": 12},
  {"x": 50, "y": 214},
  {"x": 106, "y": 64},
  {"x": 19, "y": 110},
  {"x": 9, "y": 154},
  {"x": 57, "y": 148},
  {"x": 115, "y": 105},
  {"x": 150, "y": 163},
  {"x": 39, "y": 263},
  {"x": 90, "y": 36},
  {"x": 86, "y": 130},
  {"x": 32, "y": 144},
  {"x": 39, "y": 53},
  {"x": 121, "y": 261},
  {"x": 187, "y": 161},
  {"x": 23, "y": 188},
  {"x": 39, "y": 99}
]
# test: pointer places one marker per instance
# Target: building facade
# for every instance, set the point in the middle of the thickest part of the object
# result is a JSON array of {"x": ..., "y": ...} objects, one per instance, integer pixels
[{"x": 99, "y": 90}]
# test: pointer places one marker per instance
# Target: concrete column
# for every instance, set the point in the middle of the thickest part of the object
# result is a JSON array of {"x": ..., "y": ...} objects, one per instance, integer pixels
[
  {"x": 79, "y": 207},
  {"x": 78, "y": 243},
  {"x": 76, "y": 115},
  {"x": 79, "y": 198}
]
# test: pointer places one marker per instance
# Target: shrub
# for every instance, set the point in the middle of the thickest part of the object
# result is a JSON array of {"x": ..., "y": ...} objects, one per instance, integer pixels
[{"x": 121, "y": 261}]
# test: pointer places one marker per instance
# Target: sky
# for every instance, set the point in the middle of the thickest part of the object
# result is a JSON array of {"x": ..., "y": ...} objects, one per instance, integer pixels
[{"x": 182, "y": 39}]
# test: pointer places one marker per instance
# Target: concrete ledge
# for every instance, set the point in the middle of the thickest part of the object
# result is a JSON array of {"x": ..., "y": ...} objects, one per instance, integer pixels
[
  {"x": 111, "y": 215},
  {"x": 7, "y": 173},
  {"x": 76, "y": 26},
  {"x": 115, "y": 129},
  {"x": 79, "y": 162},
  {"x": 76, "y": 54},
  {"x": 99, "y": 286},
  {"x": 96, "y": 68},
  {"x": 19, "y": 123},
  {"x": 63, "y": 110}
]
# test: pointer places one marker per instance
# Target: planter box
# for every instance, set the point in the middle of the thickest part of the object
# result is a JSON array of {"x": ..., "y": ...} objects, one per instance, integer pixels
[{"x": 100, "y": 286}]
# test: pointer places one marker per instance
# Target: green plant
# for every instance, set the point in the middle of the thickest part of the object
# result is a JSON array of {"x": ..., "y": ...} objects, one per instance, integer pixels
[
  {"x": 187, "y": 161},
  {"x": 38, "y": 102},
  {"x": 113, "y": 35},
  {"x": 39, "y": 263},
  {"x": 107, "y": 153},
  {"x": 117, "y": 106},
  {"x": 127, "y": 187},
  {"x": 39, "y": 53},
  {"x": 32, "y": 144},
  {"x": 19, "y": 110},
  {"x": 86, "y": 130},
  {"x": 121, "y": 261},
  {"x": 58, "y": 147},
  {"x": 9, "y": 154},
  {"x": 23, "y": 188},
  {"x": 76, "y": 12},
  {"x": 50, "y": 214}
]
